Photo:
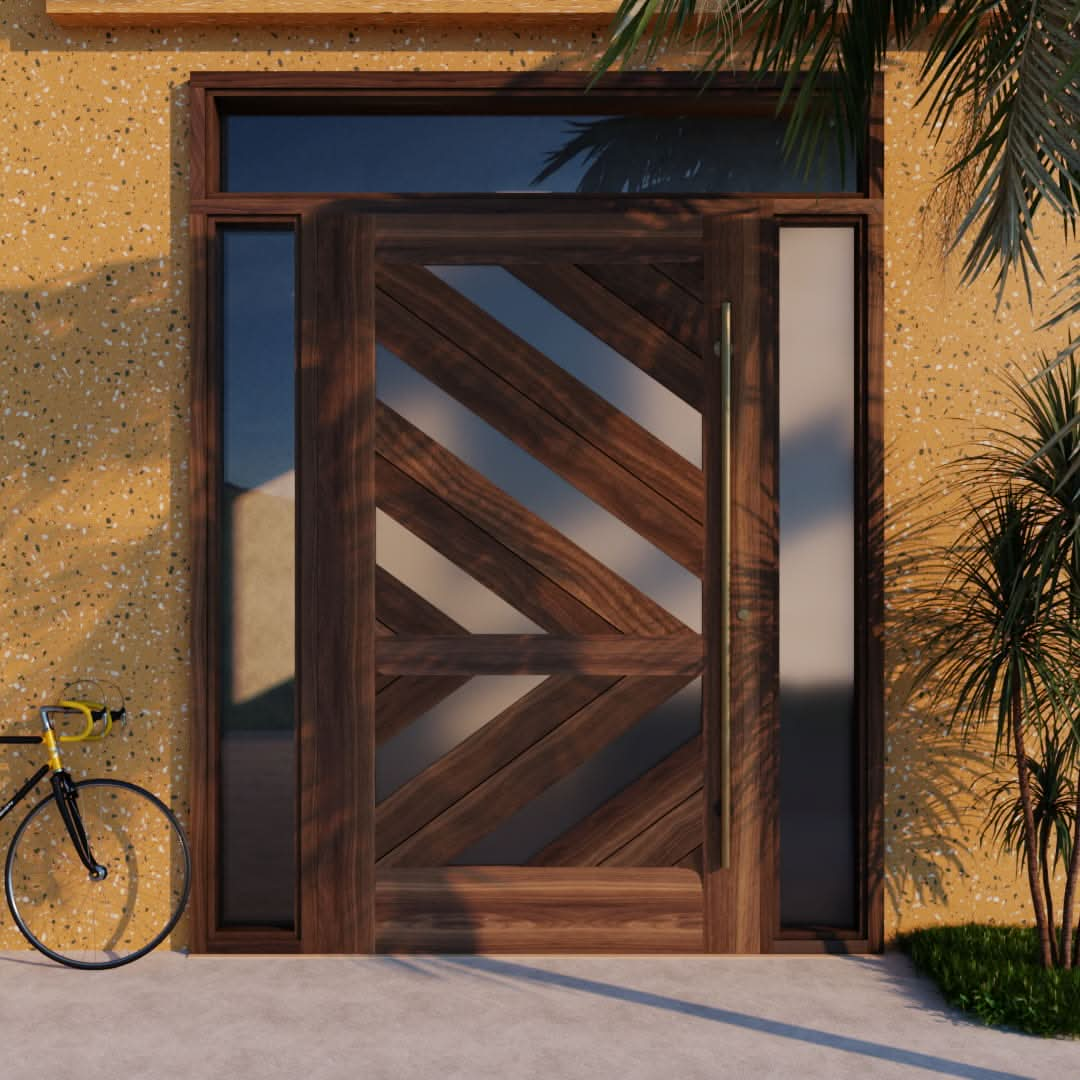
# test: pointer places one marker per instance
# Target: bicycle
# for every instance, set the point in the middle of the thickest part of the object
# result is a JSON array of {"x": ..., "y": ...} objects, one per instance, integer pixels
[{"x": 98, "y": 872}]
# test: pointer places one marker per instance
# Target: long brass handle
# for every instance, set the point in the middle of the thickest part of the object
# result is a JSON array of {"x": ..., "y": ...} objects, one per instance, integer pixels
[{"x": 725, "y": 584}]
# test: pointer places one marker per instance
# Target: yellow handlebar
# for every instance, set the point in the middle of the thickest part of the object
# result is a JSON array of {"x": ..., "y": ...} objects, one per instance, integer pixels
[{"x": 88, "y": 710}]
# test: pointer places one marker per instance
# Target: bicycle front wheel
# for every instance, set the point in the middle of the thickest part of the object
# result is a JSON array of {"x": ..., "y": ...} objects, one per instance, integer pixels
[{"x": 84, "y": 922}]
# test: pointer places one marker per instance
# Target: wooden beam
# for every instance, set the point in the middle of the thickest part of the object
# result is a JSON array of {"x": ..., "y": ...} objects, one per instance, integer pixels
[
  {"x": 543, "y": 434},
  {"x": 514, "y": 909},
  {"x": 525, "y": 534},
  {"x": 520, "y": 725},
  {"x": 532, "y": 772},
  {"x": 313, "y": 12},
  {"x": 621, "y": 819},
  {"x": 519, "y": 654},
  {"x": 340, "y": 758}
]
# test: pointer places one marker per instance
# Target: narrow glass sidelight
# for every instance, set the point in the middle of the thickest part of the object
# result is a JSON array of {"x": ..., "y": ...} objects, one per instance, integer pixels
[
  {"x": 818, "y": 770},
  {"x": 257, "y": 747}
]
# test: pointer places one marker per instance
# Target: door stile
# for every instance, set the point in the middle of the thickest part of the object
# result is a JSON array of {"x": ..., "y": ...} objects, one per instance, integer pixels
[
  {"x": 338, "y": 743},
  {"x": 739, "y": 762}
]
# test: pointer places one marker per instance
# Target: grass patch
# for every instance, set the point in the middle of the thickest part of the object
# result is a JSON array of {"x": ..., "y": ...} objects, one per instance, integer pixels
[{"x": 993, "y": 973}]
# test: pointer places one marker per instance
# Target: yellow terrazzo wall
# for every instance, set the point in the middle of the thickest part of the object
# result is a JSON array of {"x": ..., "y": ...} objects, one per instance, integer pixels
[{"x": 95, "y": 352}]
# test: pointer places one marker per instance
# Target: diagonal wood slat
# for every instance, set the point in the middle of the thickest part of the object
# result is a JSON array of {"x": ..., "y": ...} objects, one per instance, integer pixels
[
  {"x": 540, "y": 434},
  {"x": 552, "y": 387},
  {"x": 473, "y": 760},
  {"x": 404, "y": 611},
  {"x": 619, "y": 325},
  {"x": 629, "y": 813},
  {"x": 480, "y": 555},
  {"x": 406, "y": 698},
  {"x": 662, "y": 301},
  {"x": 666, "y": 841},
  {"x": 523, "y": 532},
  {"x": 519, "y": 781},
  {"x": 687, "y": 275},
  {"x": 693, "y": 860}
]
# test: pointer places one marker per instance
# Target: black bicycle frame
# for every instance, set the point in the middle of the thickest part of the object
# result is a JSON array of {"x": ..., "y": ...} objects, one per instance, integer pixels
[{"x": 66, "y": 795}]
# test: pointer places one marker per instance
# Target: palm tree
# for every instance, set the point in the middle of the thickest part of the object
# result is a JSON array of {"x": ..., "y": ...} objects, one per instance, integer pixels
[
  {"x": 1042, "y": 451},
  {"x": 1053, "y": 799},
  {"x": 999, "y": 653},
  {"x": 1009, "y": 70}
]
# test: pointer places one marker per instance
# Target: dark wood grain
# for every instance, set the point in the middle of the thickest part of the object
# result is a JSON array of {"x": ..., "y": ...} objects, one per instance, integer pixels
[
  {"x": 405, "y": 699},
  {"x": 630, "y": 812},
  {"x": 464, "y": 543},
  {"x": 436, "y": 788},
  {"x": 738, "y": 252},
  {"x": 200, "y": 160},
  {"x": 870, "y": 578},
  {"x": 631, "y": 235},
  {"x": 690, "y": 276},
  {"x": 512, "y": 525},
  {"x": 406, "y": 611},
  {"x": 620, "y": 325},
  {"x": 668, "y": 305},
  {"x": 541, "y": 434},
  {"x": 549, "y": 759},
  {"x": 666, "y": 840},
  {"x": 526, "y": 909},
  {"x": 548, "y": 385},
  {"x": 205, "y": 573},
  {"x": 582, "y": 217},
  {"x": 307, "y": 582},
  {"x": 520, "y": 654},
  {"x": 693, "y": 860},
  {"x": 345, "y": 617}
]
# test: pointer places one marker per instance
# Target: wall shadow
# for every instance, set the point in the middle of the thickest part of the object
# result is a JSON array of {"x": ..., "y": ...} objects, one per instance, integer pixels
[{"x": 93, "y": 545}]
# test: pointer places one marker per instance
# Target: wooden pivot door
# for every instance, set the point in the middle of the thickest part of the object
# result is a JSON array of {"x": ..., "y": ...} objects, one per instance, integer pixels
[{"x": 521, "y": 526}]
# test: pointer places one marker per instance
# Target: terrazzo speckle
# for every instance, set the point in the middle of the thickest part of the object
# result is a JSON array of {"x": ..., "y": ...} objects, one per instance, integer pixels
[{"x": 95, "y": 347}]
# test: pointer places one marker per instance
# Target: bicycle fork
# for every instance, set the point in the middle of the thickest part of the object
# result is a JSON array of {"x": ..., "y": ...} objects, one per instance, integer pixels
[{"x": 67, "y": 799}]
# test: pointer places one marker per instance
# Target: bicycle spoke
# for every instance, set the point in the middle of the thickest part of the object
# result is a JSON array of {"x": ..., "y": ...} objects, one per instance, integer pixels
[{"x": 99, "y": 923}]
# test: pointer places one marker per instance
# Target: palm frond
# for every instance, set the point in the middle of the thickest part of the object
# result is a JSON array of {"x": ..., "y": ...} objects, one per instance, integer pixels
[
  {"x": 1004, "y": 629},
  {"x": 1054, "y": 804},
  {"x": 1011, "y": 64}
]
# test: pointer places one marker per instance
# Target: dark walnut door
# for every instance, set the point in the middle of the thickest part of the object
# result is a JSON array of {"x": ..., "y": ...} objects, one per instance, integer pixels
[{"x": 531, "y": 560}]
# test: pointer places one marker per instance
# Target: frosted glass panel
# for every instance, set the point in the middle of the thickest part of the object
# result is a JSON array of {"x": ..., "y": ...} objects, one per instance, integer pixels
[
  {"x": 587, "y": 358},
  {"x": 258, "y": 753},
  {"x": 439, "y": 730},
  {"x": 817, "y": 576},
  {"x": 536, "y": 487},
  {"x": 591, "y": 784}
]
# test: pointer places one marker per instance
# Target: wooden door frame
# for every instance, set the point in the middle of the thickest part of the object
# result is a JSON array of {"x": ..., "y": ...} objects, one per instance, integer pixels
[{"x": 319, "y": 910}]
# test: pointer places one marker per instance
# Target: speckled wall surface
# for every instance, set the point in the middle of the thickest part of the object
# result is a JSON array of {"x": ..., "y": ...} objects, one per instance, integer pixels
[{"x": 94, "y": 440}]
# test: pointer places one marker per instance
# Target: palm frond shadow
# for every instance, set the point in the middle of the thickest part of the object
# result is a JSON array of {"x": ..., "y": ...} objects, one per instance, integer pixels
[{"x": 930, "y": 768}]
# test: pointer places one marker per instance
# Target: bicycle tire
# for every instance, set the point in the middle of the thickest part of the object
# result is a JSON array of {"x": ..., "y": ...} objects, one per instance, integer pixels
[{"x": 43, "y": 875}]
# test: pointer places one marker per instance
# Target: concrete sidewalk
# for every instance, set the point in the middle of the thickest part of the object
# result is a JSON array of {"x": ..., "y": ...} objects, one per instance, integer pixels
[{"x": 553, "y": 1018}]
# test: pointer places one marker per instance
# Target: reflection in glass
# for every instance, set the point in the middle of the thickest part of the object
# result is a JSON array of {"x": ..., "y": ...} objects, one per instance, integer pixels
[
  {"x": 817, "y": 577},
  {"x": 257, "y": 749},
  {"x": 439, "y": 730},
  {"x": 536, "y": 487},
  {"x": 589, "y": 154},
  {"x": 587, "y": 358},
  {"x": 591, "y": 784}
]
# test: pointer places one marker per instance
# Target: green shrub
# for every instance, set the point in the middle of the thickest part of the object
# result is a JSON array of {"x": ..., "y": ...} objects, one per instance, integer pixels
[{"x": 994, "y": 973}]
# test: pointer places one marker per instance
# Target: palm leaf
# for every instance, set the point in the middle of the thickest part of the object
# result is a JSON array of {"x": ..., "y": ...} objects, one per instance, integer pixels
[{"x": 1007, "y": 70}]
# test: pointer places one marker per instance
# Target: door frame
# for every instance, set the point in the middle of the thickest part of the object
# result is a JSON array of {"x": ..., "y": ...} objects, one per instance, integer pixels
[{"x": 321, "y": 859}]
